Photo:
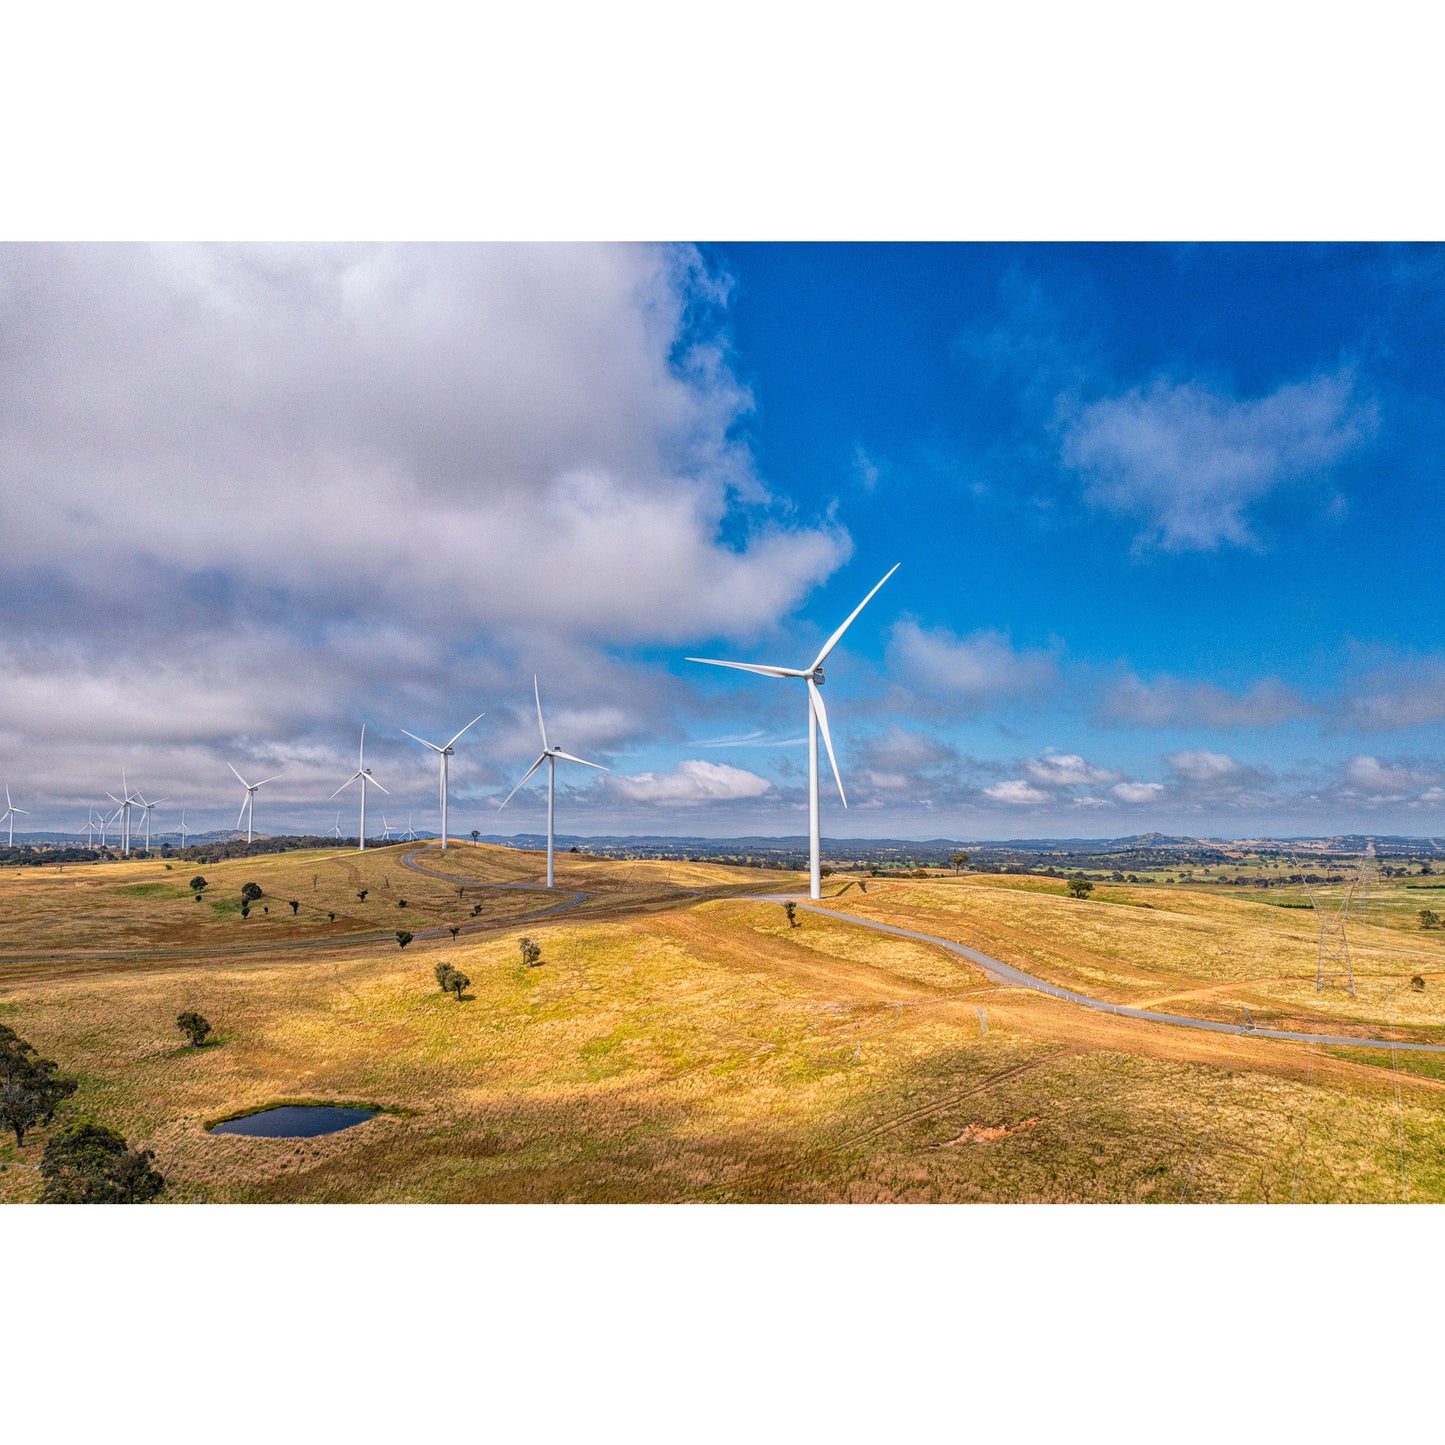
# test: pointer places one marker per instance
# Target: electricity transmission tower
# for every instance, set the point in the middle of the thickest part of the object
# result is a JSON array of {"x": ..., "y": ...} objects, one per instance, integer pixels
[{"x": 1334, "y": 954}]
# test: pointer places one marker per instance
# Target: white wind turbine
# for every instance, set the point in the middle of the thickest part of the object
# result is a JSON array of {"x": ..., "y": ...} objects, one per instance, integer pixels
[
  {"x": 410, "y": 834},
  {"x": 248, "y": 805},
  {"x": 183, "y": 830},
  {"x": 385, "y": 829},
  {"x": 91, "y": 828},
  {"x": 149, "y": 808},
  {"x": 127, "y": 802},
  {"x": 364, "y": 773},
  {"x": 336, "y": 827},
  {"x": 817, "y": 718},
  {"x": 11, "y": 813},
  {"x": 445, "y": 750},
  {"x": 549, "y": 756}
]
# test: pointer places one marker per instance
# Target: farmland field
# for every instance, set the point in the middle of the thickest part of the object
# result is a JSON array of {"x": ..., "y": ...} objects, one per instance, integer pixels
[{"x": 681, "y": 1042}]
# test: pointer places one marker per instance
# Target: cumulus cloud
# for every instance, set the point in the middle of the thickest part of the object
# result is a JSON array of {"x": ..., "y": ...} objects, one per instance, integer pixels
[
  {"x": 1170, "y": 702},
  {"x": 246, "y": 491},
  {"x": 1213, "y": 772},
  {"x": 1066, "y": 770},
  {"x": 1017, "y": 793},
  {"x": 1385, "y": 782},
  {"x": 969, "y": 671},
  {"x": 1401, "y": 694},
  {"x": 1137, "y": 792},
  {"x": 1188, "y": 461},
  {"x": 691, "y": 782}
]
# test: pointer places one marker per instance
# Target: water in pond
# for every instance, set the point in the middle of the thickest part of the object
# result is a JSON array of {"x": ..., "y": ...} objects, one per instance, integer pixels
[{"x": 295, "y": 1121}]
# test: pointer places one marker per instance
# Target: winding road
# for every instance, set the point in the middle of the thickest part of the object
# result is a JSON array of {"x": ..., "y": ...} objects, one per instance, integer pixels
[{"x": 1006, "y": 973}]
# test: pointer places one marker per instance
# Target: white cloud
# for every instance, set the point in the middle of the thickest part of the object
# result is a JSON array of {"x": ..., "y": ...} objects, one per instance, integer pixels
[
  {"x": 693, "y": 781},
  {"x": 1066, "y": 770},
  {"x": 1383, "y": 781},
  {"x": 969, "y": 670},
  {"x": 1215, "y": 772},
  {"x": 1169, "y": 702},
  {"x": 1137, "y": 792},
  {"x": 1189, "y": 461},
  {"x": 1017, "y": 793}
]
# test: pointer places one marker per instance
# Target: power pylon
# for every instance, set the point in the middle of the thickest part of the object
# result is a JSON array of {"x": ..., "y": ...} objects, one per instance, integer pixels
[{"x": 1334, "y": 955}]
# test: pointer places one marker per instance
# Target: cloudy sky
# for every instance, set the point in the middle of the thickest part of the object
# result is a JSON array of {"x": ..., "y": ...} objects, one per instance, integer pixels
[{"x": 1169, "y": 522}]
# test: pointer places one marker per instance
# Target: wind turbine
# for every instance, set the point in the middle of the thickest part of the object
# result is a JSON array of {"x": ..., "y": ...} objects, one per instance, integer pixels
[
  {"x": 817, "y": 718},
  {"x": 149, "y": 808},
  {"x": 410, "y": 833},
  {"x": 90, "y": 829},
  {"x": 183, "y": 830},
  {"x": 445, "y": 751},
  {"x": 248, "y": 807},
  {"x": 336, "y": 826},
  {"x": 123, "y": 812},
  {"x": 385, "y": 829},
  {"x": 364, "y": 773},
  {"x": 549, "y": 756},
  {"x": 10, "y": 813}
]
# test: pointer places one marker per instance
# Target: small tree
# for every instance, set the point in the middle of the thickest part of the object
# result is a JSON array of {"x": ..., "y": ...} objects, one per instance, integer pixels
[
  {"x": 199, "y": 884},
  {"x": 361, "y": 895},
  {"x": 958, "y": 860},
  {"x": 1429, "y": 918},
  {"x": 30, "y": 1088},
  {"x": 476, "y": 833},
  {"x": 453, "y": 929},
  {"x": 476, "y": 910},
  {"x": 245, "y": 909},
  {"x": 443, "y": 972},
  {"x": 87, "y": 1163},
  {"x": 251, "y": 892},
  {"x": 791, "y": 909},
  {"x": 193, "y": 1026},
  {"x": 401, "y": 902},
  {"x": 1080, "y": 886},
  {"x": 295, "y": 904},
  {"x": 458, "y": 983},
  {"x": 403, "y": 937},
  {"x": 1418, "y": 984},
  {"x": 531, "y": 952},
  {"x": 330, "y": 917}
]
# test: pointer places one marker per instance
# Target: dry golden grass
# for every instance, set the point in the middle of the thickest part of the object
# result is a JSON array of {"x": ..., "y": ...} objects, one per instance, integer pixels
[{"x": 681, "y": 1043}]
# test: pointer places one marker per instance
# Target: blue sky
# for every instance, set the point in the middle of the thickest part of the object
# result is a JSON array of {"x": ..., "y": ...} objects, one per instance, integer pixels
[{"x": 1167, "y": 516}]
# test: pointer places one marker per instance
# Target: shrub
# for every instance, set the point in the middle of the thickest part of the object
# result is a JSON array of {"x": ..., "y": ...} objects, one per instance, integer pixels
[
  {"x": 531, "y": 952},
  {"x": 193, "y": 1026},
  {"x": 87, "y": 1163},
  {"x": 361, "y": 895},
  {"x": 251, "y": 892},
  {"x": 1080, "y": 887},
  {"x": 1429, "y": 918},
  {"x": 1418, "y": 984},
  {"x": 791, "y": 909},
  {"x": 295, "y": 904},
  {"x": 198, "y": 884},
  {"x": 453, "y": 929},
  {"x": 401, "y": 902},
  {"x": 403, "y": 937}
]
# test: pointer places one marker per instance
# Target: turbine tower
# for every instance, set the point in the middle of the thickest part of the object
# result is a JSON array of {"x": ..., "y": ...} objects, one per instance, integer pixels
[
  {"x": 364, "y": 773},
  {"x": 148, "y": 809},
  {"x": 445, "y": 751},
  {"x": 335, "y": 827},
  {"x": 10, "y": 814},
  {"x": 248, "y": 805},
  {"x": 183, "y": 830},
  {"x": 817, "y": 718},
  {"x": 385, "y": 829},
  {"x": 549, "y": 756},
  {"x": 410, "y": 833},
  {"x": 127, "y": 802},
  {"x": 90, "y": 829}
]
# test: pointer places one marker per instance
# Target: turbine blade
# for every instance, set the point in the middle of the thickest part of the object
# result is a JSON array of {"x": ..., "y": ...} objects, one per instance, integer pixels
[
  {"x": 422, "y": 741},
  {"x": 470, "y": 725},
  {"x": 752, "y": 667},
  {"x": 367, "y": 778},
  {"x": 271, "y": 779},
  {"x": 541, "y": 726},
  {"x": 361, "y": 752},
  {"x": 816, "y": 698},
  {"x": 833, "y": 641},
  {"x": 558, "y": 753},
  {"x": 239, "y": 778},
  {"x": 242, "y": 813},
  {"x": 524, "y": 778},
  {"x": 348, "y": 783}
]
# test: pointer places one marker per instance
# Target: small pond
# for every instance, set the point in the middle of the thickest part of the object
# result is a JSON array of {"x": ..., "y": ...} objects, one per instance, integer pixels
[{"x": 295, "y": 1121}]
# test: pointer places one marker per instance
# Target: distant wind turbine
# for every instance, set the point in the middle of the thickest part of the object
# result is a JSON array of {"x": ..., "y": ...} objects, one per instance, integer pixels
[
  {"x": 127, "y": 802},
  {"x": 336, "y": 827},
  {"x": 410, "y": 833},
  {"x": 90, "y": 829},
  {"x": 385, "y": 829},
  {"x": 549, "y": 756},
  {"x": 149, "y": 808},
  {"x": 10, "y": 814},
  {"x": 248, "y": 805},
  {"x": 444, "y": 751},
  {"x": 183, "y": 830},
  {"x": 817, "y": 718},
  {"x": 364, "y": 773}
]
